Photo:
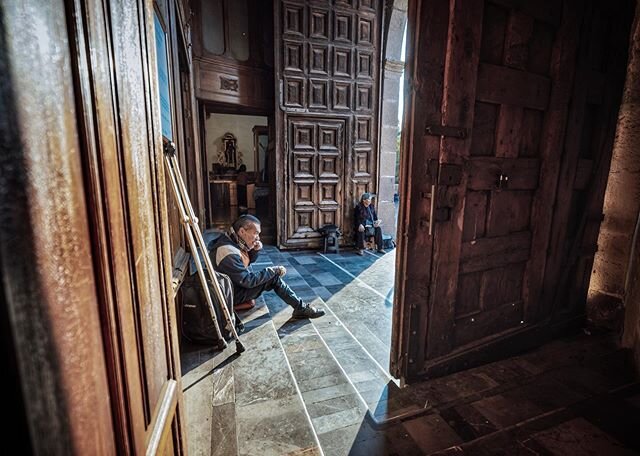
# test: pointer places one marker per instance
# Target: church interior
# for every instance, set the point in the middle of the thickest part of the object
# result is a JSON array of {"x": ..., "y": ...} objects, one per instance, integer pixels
[{"x": 498, "y": 144}]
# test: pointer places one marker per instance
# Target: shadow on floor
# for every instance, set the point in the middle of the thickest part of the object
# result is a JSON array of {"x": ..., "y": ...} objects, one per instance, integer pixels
[{"x": 322, "y": 386}]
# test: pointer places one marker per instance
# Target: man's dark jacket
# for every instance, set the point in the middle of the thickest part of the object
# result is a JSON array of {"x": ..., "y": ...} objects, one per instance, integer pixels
[
  {"x": 226, "y": 256},
  {"x": 364, "y": 215}
]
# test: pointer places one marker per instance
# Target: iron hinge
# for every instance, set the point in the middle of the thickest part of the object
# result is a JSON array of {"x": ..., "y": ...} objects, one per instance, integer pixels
[{"x": 444, "y": 130}]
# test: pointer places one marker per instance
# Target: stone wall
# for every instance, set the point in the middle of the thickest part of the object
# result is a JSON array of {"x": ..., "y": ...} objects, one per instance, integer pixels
[
  {"x": 393, "y": 69},
  {"x": 616, "y": 269}
]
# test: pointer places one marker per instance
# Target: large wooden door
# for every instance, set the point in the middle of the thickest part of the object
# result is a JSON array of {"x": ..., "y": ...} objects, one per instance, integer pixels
[
  {"x": 121, "y": 146},
  {"x": 84, "y": 246},
  {"x": 327, "y": 59},
  {"x": 490, "y": 87}
]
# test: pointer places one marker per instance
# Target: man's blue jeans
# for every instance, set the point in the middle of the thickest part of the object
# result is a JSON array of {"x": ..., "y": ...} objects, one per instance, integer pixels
[{"x": 276, "y": 284}]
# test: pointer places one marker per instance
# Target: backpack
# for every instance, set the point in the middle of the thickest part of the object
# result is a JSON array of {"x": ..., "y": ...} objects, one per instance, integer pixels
[{"x": 197, "y": 324}]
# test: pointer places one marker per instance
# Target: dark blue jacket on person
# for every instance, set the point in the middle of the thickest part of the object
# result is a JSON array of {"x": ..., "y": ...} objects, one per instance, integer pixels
[
  {"x": 230, "y": 257},
  {"x": 364, "y": 215}
]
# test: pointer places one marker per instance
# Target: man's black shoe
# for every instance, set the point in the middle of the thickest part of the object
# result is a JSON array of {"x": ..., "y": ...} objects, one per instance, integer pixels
[{"x": 307, "y": 311}]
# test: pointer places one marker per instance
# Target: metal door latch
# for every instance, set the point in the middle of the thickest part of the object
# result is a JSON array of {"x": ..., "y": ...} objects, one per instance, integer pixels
[
  {"x": 445, "y": 130},
  {"x": 503, "y": 181}
]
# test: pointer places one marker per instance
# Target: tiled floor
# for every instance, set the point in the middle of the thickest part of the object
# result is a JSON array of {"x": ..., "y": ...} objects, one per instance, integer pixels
[{"x": 322, "y": 386}]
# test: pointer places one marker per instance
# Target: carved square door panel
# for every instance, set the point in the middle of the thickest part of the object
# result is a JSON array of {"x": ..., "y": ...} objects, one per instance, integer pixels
[{"x": 316, "y": 163}]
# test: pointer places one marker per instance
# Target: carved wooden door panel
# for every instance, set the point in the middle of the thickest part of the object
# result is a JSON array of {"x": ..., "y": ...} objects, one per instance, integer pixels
[
  {"x": 488, "y": 113},
  {"x": 327, "y": 59},
  {"x": 315, "y": 164}
]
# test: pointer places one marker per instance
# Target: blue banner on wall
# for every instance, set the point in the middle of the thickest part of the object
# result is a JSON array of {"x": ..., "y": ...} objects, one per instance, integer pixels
[{"x": 163, "y": 78}]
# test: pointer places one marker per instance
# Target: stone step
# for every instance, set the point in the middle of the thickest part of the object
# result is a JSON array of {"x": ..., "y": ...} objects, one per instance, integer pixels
[
  {"x": 330, "y": 398},
  {"x": 246, "y": 404},
  {"x": 347, "y": 394}
]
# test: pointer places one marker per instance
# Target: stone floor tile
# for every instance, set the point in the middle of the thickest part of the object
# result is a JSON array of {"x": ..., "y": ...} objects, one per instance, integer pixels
[
  {"x": 198, "y": 407},
  {"x": 503, "y": 411},
  {"x": 363, "y": 375},
  {"x": 634, "y": 401},
  {"x": 321, "y": 291},
  {"x": 223, "y": 440},
  {"x": 312, "y": 282},
  {"x": 272, "y": 380},
  {"x": 306, "y": 355},
  {"x": 339, "y": 419},
  {"x": 334, "y": 405},
  {"x": 432, "y": 433},
  {"x": 358, "y": 439},
  {"x": 456, "y": 387},
  {"x": 615, "y": 416},
  {"x": 400, "y": 442},
  {"x": 358, "y": 291},
  {"x": 314, "y": 451},
  {"x": 581, "y": 379},
  {"x": 327, "y": 279},
  {"x": 318, "y": 368},
  {"x": 545, "y": 393},
  {"x": 467, "y": 422},
  {"x": 262, "y": 372},
  {"x": 375, "y": 389},
  {"x": 223, "y": 386},
  {"x": 306, "y": 259},
  {"x": 327, "y": 392},
  {"x": 580, "y": 437},
  {"x": 322, "y": 382},
  {"x": 273, "y": 427}
]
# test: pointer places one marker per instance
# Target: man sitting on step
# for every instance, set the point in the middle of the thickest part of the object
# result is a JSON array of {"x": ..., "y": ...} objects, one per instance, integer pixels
[{"x": 236, "y": 250}]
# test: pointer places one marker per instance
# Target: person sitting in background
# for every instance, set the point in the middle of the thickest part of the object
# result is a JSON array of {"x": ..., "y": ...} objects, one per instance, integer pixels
[
  {"x": 242, "y": 181},
  {"x": 234, "y": 252},
  {"x": 367, "y": 224}
]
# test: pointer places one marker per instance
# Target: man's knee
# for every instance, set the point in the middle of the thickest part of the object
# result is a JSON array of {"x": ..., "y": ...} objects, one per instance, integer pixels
[{"x": 275, "y": 282}]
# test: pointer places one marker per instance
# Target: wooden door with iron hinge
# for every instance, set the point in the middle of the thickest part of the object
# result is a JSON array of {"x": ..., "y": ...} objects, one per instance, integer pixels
[{"x": 489, "y": 85}]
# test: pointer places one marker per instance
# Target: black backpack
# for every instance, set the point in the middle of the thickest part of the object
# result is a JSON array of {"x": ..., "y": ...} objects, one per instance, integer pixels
[{"x": 197, "y": 324}]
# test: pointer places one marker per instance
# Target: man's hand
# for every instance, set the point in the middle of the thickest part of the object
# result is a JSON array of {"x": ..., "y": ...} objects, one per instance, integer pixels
[
  {"x": 257, "y": 245},
  {"x": 377, "y": 223},
  {"x": 281, "y": 270},
  {"x": 361, "y": 228}
]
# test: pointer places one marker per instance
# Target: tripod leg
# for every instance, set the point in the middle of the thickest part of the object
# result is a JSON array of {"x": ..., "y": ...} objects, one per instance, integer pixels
[
  {"x": 192, "y": 245},
  {"x": 192, "y": 220}
]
